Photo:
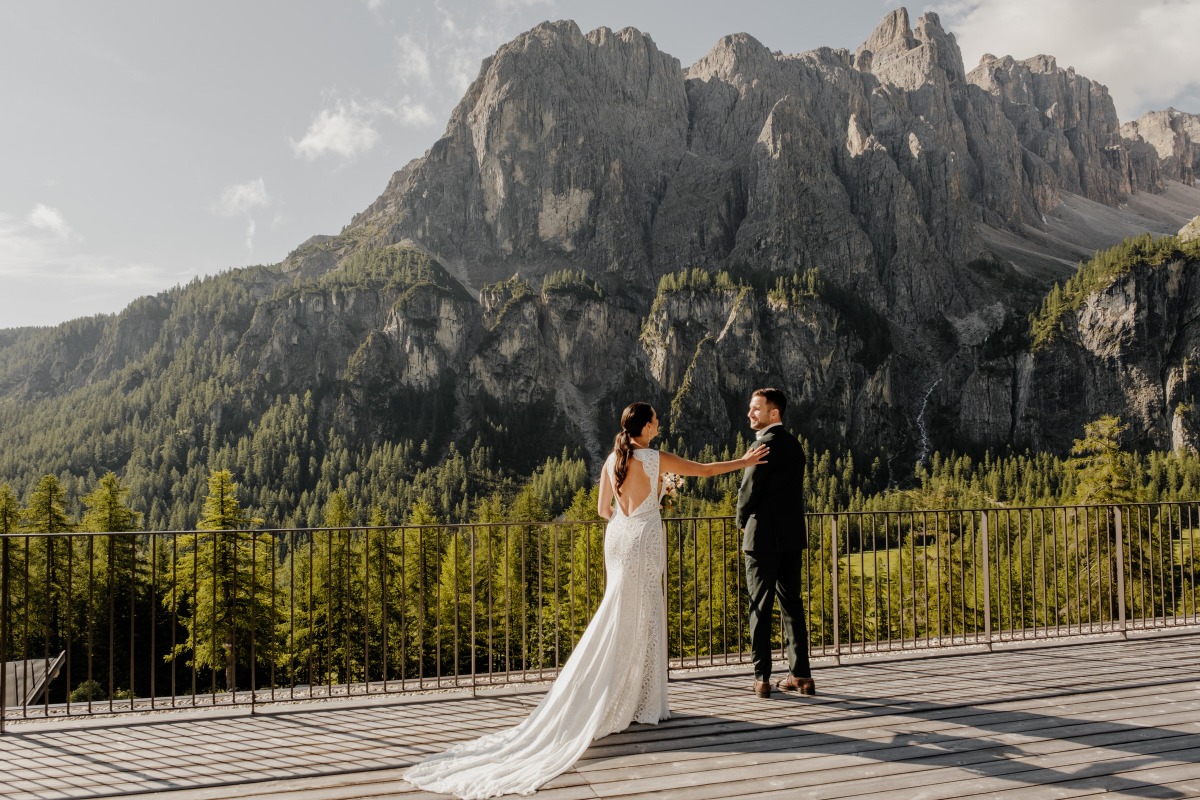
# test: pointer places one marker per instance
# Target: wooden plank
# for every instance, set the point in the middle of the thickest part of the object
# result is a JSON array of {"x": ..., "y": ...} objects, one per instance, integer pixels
[
  {"x": 1100, "y": 706},
  {"x": 913, "y": 763},
  {"x": 728, "y": 733},
  {"x": 925, "y": 784},
  {"x": 807, "y": 743},
  {"x": 1093, "y": 778},
  {"x": 384, "y": 783},
  {"x": 719, "y": 756}
]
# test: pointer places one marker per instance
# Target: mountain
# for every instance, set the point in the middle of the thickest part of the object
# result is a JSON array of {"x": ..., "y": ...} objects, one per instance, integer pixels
[{"x": 869, "y": 230}]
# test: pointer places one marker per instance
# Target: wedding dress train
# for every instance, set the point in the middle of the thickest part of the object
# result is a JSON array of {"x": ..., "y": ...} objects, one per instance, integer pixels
[{"x": 616, "y": 675}]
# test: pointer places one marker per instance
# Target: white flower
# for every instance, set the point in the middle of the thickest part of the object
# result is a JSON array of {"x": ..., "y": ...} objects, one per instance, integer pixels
[{"x": 671, "y": 484}]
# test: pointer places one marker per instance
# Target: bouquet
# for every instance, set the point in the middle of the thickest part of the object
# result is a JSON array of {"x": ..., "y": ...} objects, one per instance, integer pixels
[{"x": 668, "y": 492}]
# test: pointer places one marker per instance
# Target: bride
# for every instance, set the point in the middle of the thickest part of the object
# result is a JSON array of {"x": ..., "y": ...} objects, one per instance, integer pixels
[{"x": 617, "y": 674}]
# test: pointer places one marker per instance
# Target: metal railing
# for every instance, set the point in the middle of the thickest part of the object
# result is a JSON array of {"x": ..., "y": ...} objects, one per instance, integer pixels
[{"x": 140, "y": 621}]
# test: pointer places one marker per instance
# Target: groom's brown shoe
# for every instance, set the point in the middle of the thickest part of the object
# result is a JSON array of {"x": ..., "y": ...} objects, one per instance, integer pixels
[
  {"x": 799, "y": 685},
  {"x": 762, "y": 688}
]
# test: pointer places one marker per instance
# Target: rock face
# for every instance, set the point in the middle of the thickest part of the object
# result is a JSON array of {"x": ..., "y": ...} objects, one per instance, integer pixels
[
  {"x": 1066, "y": 123},
  {"x": 1130, "y": 351},
  {"x": 874, "y": 169},
  {"x": 599, "y": 152},
  {"x": 599, "y": 224},
  {"x": 1175, "y": 137},
  {"x": 1191, "y": 231},
  {"x": 561, "y": 143}
]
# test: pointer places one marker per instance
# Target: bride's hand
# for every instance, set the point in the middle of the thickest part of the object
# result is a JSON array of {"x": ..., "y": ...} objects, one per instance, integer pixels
[{"x": 756, "y": 455}]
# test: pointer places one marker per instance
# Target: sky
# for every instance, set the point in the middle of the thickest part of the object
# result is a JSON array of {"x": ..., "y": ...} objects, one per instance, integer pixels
[{"x": 145, "y": 143}]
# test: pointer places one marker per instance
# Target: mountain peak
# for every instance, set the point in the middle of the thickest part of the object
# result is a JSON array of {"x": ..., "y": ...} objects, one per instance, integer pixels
[
  {"x": 893, "y": 32},
  {"x": 908, "y": 57},
  {"x": 733, "y": 53}
]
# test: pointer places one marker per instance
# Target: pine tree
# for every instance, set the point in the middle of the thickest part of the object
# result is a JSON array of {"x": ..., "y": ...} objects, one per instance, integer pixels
[
  {"x": 221, "y": 587},
  {"x": 45, "y": 513},
  {"x": 48, "y": 560},
  {"x": 10, "y": 522},
  {"x": 118, "y": 577},
  {"x": 10, "y": 511},
  {"x": 331, "y": 612},
  {"x": 107, "y": 511},
  {"x": 1103, "y": 469},
  {"x": 1103, "y": 476},
  {"x": 413, "y": 564}
]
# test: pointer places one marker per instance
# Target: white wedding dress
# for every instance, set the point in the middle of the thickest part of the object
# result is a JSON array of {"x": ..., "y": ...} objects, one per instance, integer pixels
[{"x": 616, "y": 675}]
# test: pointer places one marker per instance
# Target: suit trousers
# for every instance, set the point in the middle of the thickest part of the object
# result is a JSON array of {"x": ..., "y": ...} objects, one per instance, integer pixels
[{"x": 770, "y": 576}]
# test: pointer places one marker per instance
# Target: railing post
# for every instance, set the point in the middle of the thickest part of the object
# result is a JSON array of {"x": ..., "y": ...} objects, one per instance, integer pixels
[
  {"x": 253, "y": 621},
  {"x": 3, "y": 630},
  {"x": 1120, "y": 574},
  {"x": 472, "y": 531},
  {"x": 987, "y": 580},
  {"x": 833, "y": 561}
]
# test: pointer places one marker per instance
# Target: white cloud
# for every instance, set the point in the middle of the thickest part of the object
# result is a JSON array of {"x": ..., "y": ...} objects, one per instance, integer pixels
[
  {"x": 250, "y": 228},
  {"x": 344, "y": 131},
  {"x": 412, "y": 61},
  {"x": 440, "y": 58},
  {"x": 48, "y": 279},
  {"x": 242, "y": 198},
  {"x": 50, "y": 220},
  {"x": 506, "y": 5},
  {"x": 349, "y": 129},
  {"x": 436, "y": 57},
  {"x": 1144, "y": 52},
  {"x": 411, "y": 113}
]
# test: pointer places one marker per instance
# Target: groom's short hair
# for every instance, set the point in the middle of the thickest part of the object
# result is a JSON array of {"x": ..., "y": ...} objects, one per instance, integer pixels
[{"x": 774, "y": 397}]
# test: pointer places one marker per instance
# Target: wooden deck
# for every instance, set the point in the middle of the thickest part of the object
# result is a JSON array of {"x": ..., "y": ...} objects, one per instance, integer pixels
[{"x": 1110, "y": 717}]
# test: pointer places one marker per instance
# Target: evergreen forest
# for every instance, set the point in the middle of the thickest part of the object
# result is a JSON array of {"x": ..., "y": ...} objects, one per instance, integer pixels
[{"x": 312, "y": 539}]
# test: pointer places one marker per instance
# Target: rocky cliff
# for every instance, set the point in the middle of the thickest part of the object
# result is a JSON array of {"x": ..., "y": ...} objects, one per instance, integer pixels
[
  {"x": 1175, "y": 137},
  {"x": 869, "y": 230},
  {"x": 926, "y": 193},
  {"x": 1127, "y": 347}
]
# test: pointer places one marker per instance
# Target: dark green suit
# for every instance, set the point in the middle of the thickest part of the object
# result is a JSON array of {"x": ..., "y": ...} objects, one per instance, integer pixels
[{"x": 770, "y": 513}]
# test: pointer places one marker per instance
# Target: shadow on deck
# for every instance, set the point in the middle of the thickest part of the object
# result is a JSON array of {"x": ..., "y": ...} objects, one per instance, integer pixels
[{"x": 1075, "y": 720}]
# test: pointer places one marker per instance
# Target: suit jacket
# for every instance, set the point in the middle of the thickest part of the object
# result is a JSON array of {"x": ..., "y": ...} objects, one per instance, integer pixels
[{"x": 770, "y": 506}]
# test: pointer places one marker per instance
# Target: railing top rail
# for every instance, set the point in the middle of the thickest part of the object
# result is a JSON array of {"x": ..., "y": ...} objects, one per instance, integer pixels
[
  {"x": 322, "y": 529},
  {"x": 572, "y": 523},
  {"x": 1002, "y": 508}
]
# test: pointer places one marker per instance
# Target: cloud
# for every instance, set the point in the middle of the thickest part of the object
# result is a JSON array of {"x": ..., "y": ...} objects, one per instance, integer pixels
[
  {"x": 436, "y": 58},
  {"x": 349, "y": 129},
  {"x": 242, "y": 198},
  {"x": 1144, "y": 52},
  {"x": 439, "y": 58},
  {"x": 462, "y": 47},
  {"x": 412, "y": 61},
  {"x": 345, "y": 131},
  {"x": 50, "y": 220},
  {"x": 412, "y": 114},
  {"x": 508, "y": 5},
  {"x": 48, "y": 279}
]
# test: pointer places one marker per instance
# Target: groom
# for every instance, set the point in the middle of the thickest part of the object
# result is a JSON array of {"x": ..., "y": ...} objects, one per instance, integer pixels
[{"x": 770, "y": 513}]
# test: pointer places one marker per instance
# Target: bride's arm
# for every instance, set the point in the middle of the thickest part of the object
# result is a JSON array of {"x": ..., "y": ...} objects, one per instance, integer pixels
[
  {"x": 682, "y": 466},
  {"x": 604, "y": 504}
]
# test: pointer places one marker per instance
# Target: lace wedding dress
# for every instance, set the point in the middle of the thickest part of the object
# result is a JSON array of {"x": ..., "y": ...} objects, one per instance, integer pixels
[{"x": 616, "y": 675}]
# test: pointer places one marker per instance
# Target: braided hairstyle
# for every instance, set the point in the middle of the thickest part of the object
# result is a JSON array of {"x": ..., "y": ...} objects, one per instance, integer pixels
[{"x": 633, "y": 420}]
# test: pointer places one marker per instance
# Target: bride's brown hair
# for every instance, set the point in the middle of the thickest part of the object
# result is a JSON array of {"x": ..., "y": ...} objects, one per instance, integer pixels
[{"x": 634, "y": 419}]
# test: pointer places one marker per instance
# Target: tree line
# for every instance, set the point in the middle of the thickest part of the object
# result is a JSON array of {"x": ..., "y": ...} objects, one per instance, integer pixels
[
  {"x": 384, "y": 484},
  {"x": 367, "y": 596}
]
